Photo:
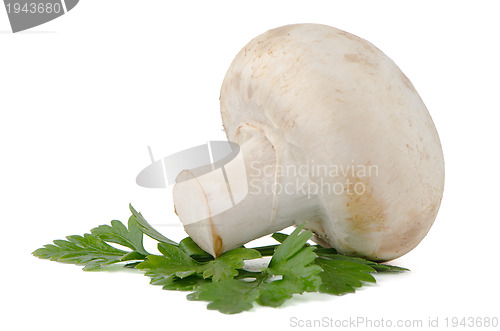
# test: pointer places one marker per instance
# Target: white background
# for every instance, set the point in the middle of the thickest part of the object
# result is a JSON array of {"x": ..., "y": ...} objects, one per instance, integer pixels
[{"x": 82, "y": 96}]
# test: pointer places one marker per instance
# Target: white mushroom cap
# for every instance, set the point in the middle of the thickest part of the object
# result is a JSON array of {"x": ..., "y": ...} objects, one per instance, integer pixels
[{"x": 313, "y": 97}]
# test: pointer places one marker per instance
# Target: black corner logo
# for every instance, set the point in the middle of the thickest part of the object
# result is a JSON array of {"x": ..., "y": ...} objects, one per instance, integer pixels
[{"x": 26, "y": 14}]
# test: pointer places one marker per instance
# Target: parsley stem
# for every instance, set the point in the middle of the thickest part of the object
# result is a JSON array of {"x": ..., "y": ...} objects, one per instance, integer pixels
[{"x": 266, "y": 250}]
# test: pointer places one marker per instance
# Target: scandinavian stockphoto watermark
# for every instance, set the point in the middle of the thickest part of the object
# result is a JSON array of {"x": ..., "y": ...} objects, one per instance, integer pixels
[
  {"x": 26, "y": 14},
  {"x": 311, "y": 178}
]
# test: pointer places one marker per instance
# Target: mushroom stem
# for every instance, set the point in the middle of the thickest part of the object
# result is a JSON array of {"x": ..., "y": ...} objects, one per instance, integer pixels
[
  {"x": 236, "y": 203},
  {"x": 229, "y": 206}
]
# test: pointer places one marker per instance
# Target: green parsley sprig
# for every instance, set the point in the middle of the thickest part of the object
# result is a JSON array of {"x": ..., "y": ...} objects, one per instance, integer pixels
[{"x": 295, "y": 266}]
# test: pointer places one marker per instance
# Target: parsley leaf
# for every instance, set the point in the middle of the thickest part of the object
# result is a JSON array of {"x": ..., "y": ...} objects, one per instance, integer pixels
[
  {"x": 275, "y": 293},
  {"x": 147, "y": 229},
  {"x": 173, "y": 262},
  {"x": 292, "y": 260},
  {"x": 119, "y": 234},
  {"x": 229, "y": 296},
  {"x": 379, "y": 267},
  {"x": 89, "y": 251},
  {"x": 192, "y": 249},
  {"x": 174, "y": 283},
  {"x": 226, "y": 265},
  {"x": 280, "y": 237},
  {"x": 176, "y": 262},
  {"x": 340, "y": 277},
  {"x": 295, "y": 267}
]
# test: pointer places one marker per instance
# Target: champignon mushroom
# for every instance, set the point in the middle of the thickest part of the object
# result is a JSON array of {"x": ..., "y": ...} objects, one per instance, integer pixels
[{"x": 332, "y": 133}]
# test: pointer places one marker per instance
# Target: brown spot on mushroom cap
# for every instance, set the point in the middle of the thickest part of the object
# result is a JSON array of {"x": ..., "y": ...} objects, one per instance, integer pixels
[
  {"x": 249, "y": 92},
  {"x": 361, "y": 59},
  {"x": 236, "y": 80},
  {"x": 347, "y": 35},
  {"x": 367, "y": 214}
]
